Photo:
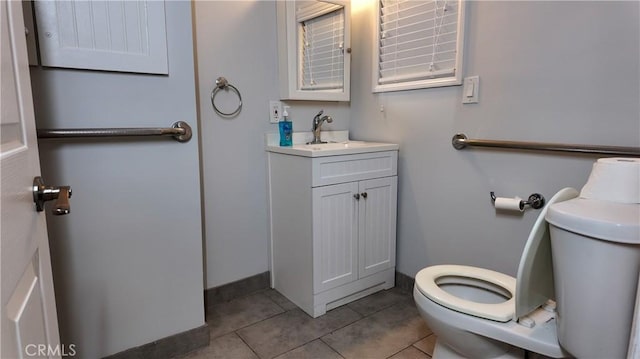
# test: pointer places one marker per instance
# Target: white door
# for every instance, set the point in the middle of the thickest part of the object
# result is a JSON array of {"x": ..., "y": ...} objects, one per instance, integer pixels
[
  {"x": 29, "y": 320},
  {"x": 377, "y": 225},
  {"x": 335, "y": 235}
]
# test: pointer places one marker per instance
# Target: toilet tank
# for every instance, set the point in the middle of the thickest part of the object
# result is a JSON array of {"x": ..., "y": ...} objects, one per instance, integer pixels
[{"x": 595, "y": 243}]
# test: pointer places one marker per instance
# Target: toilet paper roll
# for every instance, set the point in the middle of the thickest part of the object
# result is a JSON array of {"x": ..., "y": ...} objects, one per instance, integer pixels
[{"x": 509, "y": 204}]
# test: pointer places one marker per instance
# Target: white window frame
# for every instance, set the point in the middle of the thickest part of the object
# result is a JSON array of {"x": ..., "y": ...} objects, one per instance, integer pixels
[
  {"x": 332, "y": 14},
  {"x": 289, "y": 47},
  {"x": 454, "y": 80}
]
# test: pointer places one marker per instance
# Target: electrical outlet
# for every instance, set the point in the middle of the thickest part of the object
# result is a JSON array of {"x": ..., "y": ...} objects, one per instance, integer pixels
[{"x": 275, "y": 111}]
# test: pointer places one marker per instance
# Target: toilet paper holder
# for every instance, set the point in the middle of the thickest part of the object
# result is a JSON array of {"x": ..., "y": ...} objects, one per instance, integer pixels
[{"x": 535, "y": 200}]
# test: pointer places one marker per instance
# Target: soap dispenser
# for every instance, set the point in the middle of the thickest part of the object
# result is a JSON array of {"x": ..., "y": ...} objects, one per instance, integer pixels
[{"x": 286, "y": 129}]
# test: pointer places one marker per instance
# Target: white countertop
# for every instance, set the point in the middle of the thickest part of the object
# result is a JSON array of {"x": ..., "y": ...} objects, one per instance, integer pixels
[{"x": 338, "y": 143}]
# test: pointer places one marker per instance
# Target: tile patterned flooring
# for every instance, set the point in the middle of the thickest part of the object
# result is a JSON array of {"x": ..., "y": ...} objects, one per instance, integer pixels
[{"x": 267, "y": 325}]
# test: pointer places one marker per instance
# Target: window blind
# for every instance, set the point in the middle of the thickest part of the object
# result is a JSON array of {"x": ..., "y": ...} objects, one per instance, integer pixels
[
  {"x": 418, "y": 40},
  {"x": 322, "y": 36}
]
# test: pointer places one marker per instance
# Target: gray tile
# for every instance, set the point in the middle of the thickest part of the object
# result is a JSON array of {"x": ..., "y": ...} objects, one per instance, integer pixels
[
  {"x": 377, "y": 301},
  {"x": 226, "y": 346},
  {"x": 280, "y": 299},
  {"x": 169, "y": 347},
  {"x": 381, "y": 334},
  {"x": 238, "y": 313},
  {"x": 292, "y": 329},
  {"x": 533, "y": 355},
  {"x": 236, "y": 289},
  {"x": 410, "y": 353},
  {"x": 427, "y": 344},
  {"x": 404, "y": 283},
  {"x": 314, "y": 350}
]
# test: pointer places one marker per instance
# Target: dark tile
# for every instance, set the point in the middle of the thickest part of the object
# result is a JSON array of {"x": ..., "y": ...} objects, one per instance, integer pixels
[
  {"x": 236, "y": 289},
  {"x": 227, "y": 317},
  {"x": 292, "y": 329},
  {"x": 226, "y": 346},
  {"x": 404, "y": 283},
  {"x": 410, "y": 353},
  {"x": 169, "y": 347},
  {"x": 533, "y": 355},
  {"x": 314, "y": 350},
  {"x": 377, "y": 301},
  {"x": 280, "y": 299},
  {"x": 381, "y": 334},
  {"x": 427, "y": 344}
]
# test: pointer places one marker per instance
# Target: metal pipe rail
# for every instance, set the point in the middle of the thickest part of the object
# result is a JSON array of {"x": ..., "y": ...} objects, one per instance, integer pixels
[
  {"x": 460, "y": 141},
  {"x": 180, "y": 131}
]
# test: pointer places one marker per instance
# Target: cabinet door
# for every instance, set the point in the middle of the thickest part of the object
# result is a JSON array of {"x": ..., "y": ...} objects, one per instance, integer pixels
[
  {"x": 377, "y": 225},
  {"x": 335, "y": 236},
  {"x": 115, "y": 35},
  {"x": 314, "y": 51}
]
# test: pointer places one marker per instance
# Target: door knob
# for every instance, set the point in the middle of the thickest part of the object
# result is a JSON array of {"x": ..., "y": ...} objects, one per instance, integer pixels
[
  {"x": 364, "y": 195},
  {"x": 42, "y": 193}
]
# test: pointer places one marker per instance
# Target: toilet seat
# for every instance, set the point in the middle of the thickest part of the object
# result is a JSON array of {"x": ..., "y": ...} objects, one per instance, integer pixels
[
  {"x": 535, "y": 277},
  {"x": 542, "y": 338},
  {"x": 427, "y": 283},
  {"x": 455, "y": 316}
]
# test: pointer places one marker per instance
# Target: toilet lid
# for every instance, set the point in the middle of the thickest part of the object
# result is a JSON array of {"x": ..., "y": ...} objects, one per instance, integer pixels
[
  {"x": 535, "y": 272},
  {"x": 427, "y": 278}
]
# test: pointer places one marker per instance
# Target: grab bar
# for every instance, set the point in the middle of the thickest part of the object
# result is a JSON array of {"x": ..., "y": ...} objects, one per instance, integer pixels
[
  {"x": 180, "y": 131},
  {"x": 460, "y": 141}
]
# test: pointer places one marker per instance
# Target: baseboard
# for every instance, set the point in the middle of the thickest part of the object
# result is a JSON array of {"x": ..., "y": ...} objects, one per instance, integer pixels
[
  {"x": 169, "y": 347},
  {"x": 242, "y": 287},
  {"x": 404, "y": 282},
  {"x": 197, "y": 338}
]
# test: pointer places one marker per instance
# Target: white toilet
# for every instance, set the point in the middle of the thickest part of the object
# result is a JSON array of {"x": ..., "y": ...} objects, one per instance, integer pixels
[{"x": 592, "y": 275}]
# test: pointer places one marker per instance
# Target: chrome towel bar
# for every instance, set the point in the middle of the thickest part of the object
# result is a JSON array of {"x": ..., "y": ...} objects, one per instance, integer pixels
[
  {"x": 180, "y": 131},
  {"x": 460, "y": 141},
  {"x": 223, "y": 84}
]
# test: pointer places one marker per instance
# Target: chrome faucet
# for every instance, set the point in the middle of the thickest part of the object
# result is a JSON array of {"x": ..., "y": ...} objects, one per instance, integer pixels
[{"x": 317, "y": 124}]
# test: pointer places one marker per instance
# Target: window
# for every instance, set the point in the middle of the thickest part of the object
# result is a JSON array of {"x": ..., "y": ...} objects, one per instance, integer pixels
[
  {"x": 314, "y": 55},
  {"x": 419, "y": 44},
  {"x": 322, "y": 56}
]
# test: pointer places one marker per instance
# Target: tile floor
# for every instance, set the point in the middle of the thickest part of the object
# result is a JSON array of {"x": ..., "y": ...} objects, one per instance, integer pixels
[{"x": 267, "y": 325}]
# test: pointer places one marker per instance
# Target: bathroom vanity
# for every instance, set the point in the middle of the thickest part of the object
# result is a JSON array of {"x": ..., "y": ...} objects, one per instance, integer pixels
[{"x": 333, "y": 221}]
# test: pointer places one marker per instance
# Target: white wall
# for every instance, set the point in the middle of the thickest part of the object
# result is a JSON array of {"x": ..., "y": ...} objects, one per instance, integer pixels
[
  {"x": 237, "y": 40},
  {"x": 549, "y": 71},
  {"x": 128, "y": 259}
]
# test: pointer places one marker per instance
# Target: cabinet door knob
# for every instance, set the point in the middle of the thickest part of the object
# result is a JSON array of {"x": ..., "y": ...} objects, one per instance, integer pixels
[
  {"x": 357, "y": 196},
  {"x": 364, "y": 195}
]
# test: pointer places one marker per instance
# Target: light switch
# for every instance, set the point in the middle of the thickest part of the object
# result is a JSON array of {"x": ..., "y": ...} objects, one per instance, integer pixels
[{"x": 470, "y": 89}]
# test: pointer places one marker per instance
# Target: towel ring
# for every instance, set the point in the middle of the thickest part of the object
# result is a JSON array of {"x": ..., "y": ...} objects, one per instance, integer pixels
[{"x": 223, "y": 84}]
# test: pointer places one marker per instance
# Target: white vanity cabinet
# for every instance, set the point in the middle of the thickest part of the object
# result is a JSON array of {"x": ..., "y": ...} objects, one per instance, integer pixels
[{"x": 333, "y": 226}]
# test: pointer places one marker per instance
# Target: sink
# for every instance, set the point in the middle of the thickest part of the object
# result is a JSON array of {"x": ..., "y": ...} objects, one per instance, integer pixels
[
  {"x": 334, "y": 148},
  {"x": 338, "y": 145}
]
